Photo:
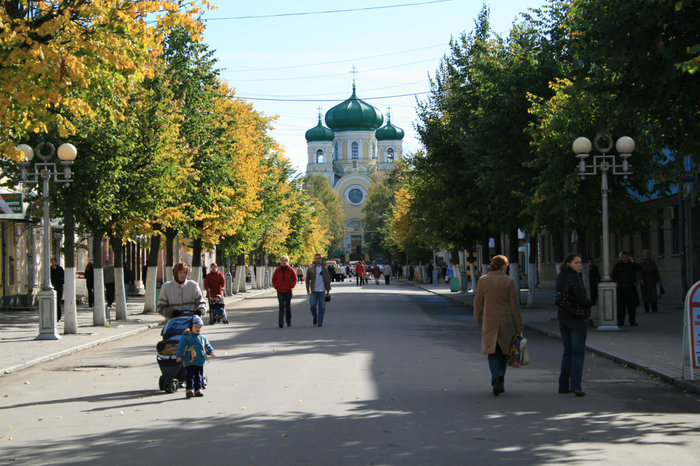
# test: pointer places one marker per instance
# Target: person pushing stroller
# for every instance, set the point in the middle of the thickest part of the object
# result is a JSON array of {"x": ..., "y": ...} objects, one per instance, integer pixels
[
  {"x": 180, "y": 296},
  {"x": 192, "y": 351}
]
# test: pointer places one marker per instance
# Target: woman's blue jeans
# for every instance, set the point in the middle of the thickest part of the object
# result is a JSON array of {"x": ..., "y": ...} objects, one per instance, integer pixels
[{"x": 573, "y": 336}]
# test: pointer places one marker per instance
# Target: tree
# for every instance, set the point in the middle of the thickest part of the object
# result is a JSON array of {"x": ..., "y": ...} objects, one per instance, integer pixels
[
  {"x": 330, "y": 213},
  {"x": 58, "y": 59}
]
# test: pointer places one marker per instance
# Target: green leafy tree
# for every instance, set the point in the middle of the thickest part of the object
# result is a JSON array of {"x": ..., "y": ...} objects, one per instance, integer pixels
[{"x": 330, "y": 213}]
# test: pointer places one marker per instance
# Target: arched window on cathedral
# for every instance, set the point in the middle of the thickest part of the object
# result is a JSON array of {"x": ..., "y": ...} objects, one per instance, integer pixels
[
  {"x": 336, "y": 155},
  {"x": 374, "y": 151},
  {"x": 390, "y": 154},
  {"x": 319, "y": 156},
  {"x": 355, "y": 151}
]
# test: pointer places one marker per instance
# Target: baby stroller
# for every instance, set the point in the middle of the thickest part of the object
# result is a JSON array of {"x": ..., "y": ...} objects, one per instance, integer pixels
[
  {"x": 217, "y": 311},
  {"x": 172, "y": 372}
]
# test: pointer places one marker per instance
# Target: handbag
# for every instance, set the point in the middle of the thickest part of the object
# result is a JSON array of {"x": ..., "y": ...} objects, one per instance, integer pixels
[
  {"x": 519, "y": 355},
  {"x": 562, "y": 301},
  {"x": 328, "y": 298}
]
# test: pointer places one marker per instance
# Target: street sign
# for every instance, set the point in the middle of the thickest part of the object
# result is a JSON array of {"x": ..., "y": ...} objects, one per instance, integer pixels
[
  {"x": 692, "y": 327},
  {"x": 10, "y": 203}
]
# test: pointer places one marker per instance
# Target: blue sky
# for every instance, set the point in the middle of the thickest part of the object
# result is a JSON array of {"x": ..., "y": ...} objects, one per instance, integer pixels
[{"x": 290, "y": 58}]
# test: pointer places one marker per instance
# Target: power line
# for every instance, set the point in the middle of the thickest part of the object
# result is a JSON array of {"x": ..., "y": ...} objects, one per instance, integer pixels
[
  {"x": 345, "y": 60},
  {"x": 331, "y": 100},
  {"x": 325, "y": 12}
]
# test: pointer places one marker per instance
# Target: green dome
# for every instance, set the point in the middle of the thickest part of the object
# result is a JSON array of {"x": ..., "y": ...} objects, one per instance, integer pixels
[
  {"x": 389, "y": 132},
  {"x": 354, "y": 115},
  {"x": 319, "y": 133}
]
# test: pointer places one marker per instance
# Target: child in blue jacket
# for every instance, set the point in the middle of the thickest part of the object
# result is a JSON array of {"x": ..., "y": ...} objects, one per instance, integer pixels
[{"x": 192, "y": 351}]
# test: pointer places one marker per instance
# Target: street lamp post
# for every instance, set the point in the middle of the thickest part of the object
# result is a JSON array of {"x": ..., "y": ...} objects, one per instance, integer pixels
[
  {"x": 604, "y": 162},
  {"x": 46, "y": 170}
]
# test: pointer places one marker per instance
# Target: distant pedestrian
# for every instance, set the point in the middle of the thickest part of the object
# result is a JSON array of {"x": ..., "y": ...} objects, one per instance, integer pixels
[
  {"x": 284, "y": 280},
  {"x": 650, "y": 280},
  {"x": 192, "y": 351},
  {"x": 573, "y": 313},
  {"x": 57, "y": 280},
  {"x": 593, "y": 280},
  {"x": 108, "y": 273},
  {"x": 430, "y": 269},
  {"x": 497, "y": 310},
  {"x": 399, "y": 271},
  {"x": 449, "y": 273},
  {"x": 318, "y": 287},
  {"x": 411, "y": 271},
  {"x": 377, "y": 272},
  {"x": 387, "y": 274},
  {"x": 625, "y": 274},
  {"x": 214, "y": 282},
  {"x": 300, "y": 274},
  {"x": 360, "y": 273},
  {"x": 90, "y": 282}
]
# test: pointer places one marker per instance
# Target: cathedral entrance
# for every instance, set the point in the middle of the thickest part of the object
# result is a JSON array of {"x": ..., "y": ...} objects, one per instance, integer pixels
[{"x": 355, "y": 247}]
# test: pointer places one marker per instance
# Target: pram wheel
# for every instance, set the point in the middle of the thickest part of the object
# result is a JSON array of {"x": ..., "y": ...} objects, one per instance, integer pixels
[
  {"x": 171, "y": 385},
  {"x": 161, "y": 382}
]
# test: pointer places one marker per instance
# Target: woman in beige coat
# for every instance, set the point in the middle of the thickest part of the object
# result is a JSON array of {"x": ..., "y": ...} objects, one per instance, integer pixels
[{"x": 497, "y": 310}]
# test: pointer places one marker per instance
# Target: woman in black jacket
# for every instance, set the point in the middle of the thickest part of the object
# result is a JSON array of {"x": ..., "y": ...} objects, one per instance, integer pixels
[{"x": 574, "y": 309}]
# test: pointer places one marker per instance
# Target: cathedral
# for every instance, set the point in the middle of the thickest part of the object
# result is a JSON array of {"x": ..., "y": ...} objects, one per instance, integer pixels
[{"x": 354, "y": 151}]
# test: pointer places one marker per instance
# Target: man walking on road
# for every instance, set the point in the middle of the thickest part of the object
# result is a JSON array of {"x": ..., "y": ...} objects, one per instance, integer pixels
[
  {"x": 318, "y": 287},
  {"x": 283, "y": 280}
]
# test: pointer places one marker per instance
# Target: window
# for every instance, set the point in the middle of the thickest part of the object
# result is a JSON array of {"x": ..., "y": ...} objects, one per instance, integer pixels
[
  {"x": 355, "y": 194},
  {"x": 390, "y": 154},
  {"x": 646, "y": 240},
  {"x": 660, "y": 240},
  {"x": 319, "y": 156},
  {"x": 355, "y": 151},
  {"x": 374, "y": 151},
  {"x": 337, "y": 150}
]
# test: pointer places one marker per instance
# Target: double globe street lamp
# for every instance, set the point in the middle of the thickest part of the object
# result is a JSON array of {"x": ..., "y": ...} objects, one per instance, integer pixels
[
  {"x": 604, "y": 162},
  {"x": 45, "y": 170}
]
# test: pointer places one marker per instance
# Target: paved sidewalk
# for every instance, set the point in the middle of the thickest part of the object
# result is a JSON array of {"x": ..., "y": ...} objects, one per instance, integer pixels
[
  {"x": 655, "y": 346},
  {"x": 18, "y": 330}
]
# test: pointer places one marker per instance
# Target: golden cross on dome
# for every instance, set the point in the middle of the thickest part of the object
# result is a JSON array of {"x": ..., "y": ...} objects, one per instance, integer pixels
[
  {"x": 353, "y": 72},
  {"x": 319, "y": 112}
]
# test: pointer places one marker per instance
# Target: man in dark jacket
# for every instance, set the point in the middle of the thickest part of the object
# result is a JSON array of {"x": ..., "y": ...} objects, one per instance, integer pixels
[
  {"x": 625, "y": 274},
  {"x": 283, "y": 280},
  {"x": 57, "y": 278}
]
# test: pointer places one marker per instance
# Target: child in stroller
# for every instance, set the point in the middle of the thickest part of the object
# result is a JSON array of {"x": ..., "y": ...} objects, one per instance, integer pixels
[
  {"x": 217, "y": 310},
  {"x": 172, "y": 372}
]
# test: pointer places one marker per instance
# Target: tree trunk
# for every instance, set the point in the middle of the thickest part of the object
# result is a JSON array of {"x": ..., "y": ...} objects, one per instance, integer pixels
[
  {"x": 151, "y": 278},
  {"x": 170, "y": 235},
  {"x": 514, "y": 258},
  {"x": 196, "y": 273},
  {"x": 119, "y": 285},
  {"x": 485, "y": 253},
  {"x": 99, "y": 318},
  {"x": 70, "y": 310},
  {"x": 558, "y": 250},
  {"x": 532, "y": 277}
]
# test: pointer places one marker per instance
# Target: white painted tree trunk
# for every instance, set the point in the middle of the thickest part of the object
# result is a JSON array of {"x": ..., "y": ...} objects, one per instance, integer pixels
[
  {"x": 70, "y": 310},
  {"x": 120, "y": 293},
  {"x": 149, "y": 303},
  {"x": 99, "y": 317}
]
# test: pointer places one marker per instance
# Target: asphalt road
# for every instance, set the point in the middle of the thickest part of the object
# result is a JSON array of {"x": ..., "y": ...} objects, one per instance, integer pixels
[{"x": 394, "y": 377}]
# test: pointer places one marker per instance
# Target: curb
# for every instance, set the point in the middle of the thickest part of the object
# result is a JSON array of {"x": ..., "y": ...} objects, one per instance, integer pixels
[
  {"x": 680, "y": 383},
  {"x": 68, "y": 351},
  {"x": 100, "y": 341}
]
